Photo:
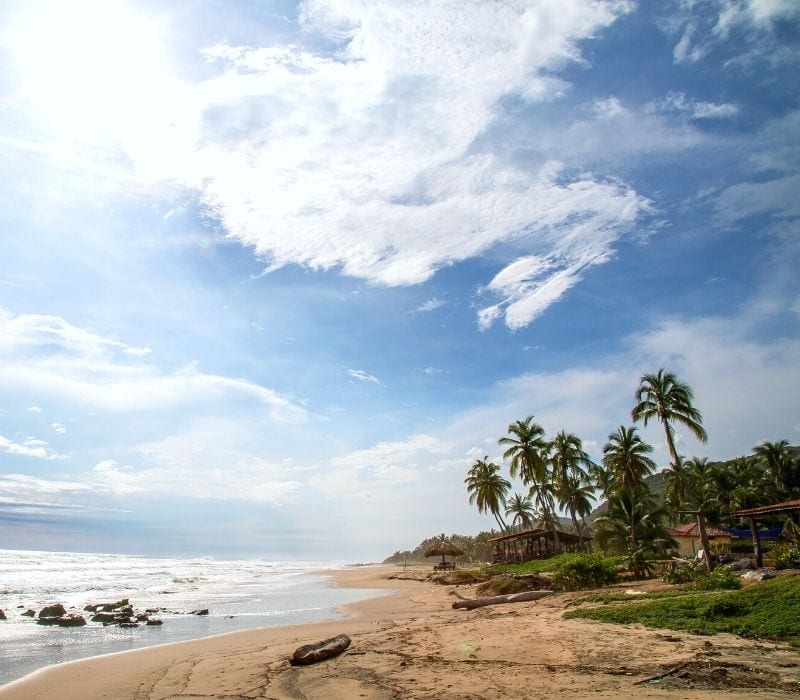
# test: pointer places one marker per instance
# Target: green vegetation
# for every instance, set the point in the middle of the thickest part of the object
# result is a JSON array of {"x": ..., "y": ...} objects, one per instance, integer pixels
[
  {"x": 577, "y": 571},
  {"x": 770, "y": 609},
  {"x": 785, "y": 557}
]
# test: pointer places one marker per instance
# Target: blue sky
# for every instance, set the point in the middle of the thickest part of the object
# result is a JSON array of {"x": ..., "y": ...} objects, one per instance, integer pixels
[{"x": 273, "y": 276}]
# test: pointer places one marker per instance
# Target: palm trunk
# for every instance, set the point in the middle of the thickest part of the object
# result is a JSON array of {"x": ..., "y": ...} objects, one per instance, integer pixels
[{"x": 677, "y": 466}]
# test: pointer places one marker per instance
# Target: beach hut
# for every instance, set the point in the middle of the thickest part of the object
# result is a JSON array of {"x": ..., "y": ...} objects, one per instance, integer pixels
[
  {"x": 688, "y": 538},
  {"x": 770, "y": 512},
  {"x": 443, "y": 548},
  {"x": 539, "y": 543}
]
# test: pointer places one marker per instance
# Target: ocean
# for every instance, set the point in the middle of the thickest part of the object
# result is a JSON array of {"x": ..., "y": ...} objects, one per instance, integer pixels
[{"x": 238, "y": 593}]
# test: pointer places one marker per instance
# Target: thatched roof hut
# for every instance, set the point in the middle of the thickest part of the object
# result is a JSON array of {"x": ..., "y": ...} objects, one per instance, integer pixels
[{"x": 443, "y": 548}]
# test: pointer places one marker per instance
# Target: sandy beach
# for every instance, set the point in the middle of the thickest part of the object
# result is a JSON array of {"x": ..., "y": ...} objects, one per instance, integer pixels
[{"x": 412, "y": 644}]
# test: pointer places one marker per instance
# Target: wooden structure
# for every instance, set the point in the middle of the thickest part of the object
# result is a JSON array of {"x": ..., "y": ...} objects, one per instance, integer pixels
[
  {"x": 534, "y": 544},
  {"x": 791, "y": 508},
  {"x": 688, "y": 537},
  {"x": 443, "y": 548}
]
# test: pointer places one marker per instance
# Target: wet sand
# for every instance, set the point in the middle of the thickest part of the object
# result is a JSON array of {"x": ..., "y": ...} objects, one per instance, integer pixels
[{"x": 412, "y": 644}]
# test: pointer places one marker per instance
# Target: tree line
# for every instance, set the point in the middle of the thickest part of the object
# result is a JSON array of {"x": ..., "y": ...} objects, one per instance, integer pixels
[{"x": 558, "y": 473}]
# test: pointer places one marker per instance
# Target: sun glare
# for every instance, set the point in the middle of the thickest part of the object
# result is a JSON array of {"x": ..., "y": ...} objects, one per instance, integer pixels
[{"x": 87, "y": 68}]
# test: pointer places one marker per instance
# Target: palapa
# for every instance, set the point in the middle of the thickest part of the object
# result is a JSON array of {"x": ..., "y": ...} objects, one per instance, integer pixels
[{"x": 443, "y": 548}]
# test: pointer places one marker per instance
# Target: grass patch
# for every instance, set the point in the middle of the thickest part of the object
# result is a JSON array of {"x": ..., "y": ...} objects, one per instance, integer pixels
[
  {"x": 770, "y": 609},
  {"x": 538, "y": 566},
  {"x": 619, "y": 597}
]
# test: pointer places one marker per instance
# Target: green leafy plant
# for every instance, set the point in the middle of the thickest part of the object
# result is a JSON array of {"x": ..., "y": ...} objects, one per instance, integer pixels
[
  {"x": 720, "y": 579},
  {"x": 576, "y": 571},
  {"x": 785, "y": 557}
]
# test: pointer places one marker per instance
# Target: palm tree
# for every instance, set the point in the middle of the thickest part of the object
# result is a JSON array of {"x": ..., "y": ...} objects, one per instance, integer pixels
[
  {"x": 581, "y": 497},
  {"x": 632, "y": 518},
  {"x": 568, "y": 460},
  {"x": 526, "y": 448},
  {"x": 487, "y": 489},
  {"x": 625, "y": 455},
  {"x": 778, "y": 462},
  {"x": 522, "y": 509},
  {"x": 663, "y": 397}
]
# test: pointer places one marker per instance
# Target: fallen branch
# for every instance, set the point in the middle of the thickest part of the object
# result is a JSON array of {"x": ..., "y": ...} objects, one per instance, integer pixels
[
  {"x": 660, "y": 675},
  {"x": 500, "y": 599},
  {"x": 311, "y": 653}
]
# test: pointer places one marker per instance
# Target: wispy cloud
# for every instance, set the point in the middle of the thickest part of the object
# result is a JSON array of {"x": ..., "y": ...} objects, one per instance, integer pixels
[
  {"x": 364, "y": 377},
  {"x": 30, "y": 447},
  {"x": 430, "y": 305},
  {"x": 59, "y": 428},
  {"x": 50, "y": 356}
]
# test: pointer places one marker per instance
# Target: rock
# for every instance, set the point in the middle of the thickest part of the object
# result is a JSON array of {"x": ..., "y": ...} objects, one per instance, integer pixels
[
  {"x": 71, "y": 620},
  {"x": 47, "y": 620},
  {"x": 142, "y": 617},
  {"x": 29, "y": 613},
  {"x": 758, "y": 575},
  {"x": 128, "y": 624},
  {"x": 203, "y": 611},
  {"x": 55, "y": 610},
  {"x": 107, "y": 618},
  {"x": 311, "y": 653},
  {"x": 154, "y": 621},
  {"x": 2, "y": 615},
  {"x": 152, "y": 610}
]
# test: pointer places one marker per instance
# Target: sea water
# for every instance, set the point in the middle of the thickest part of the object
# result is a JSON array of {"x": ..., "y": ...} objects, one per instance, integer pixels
[{"x": 238, "y": 593}]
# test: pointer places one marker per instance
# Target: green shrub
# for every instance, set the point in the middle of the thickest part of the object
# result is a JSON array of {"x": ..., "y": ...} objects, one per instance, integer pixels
[
  {"x": 785, "y": 557},
  {"x": 576, "y": 571},
  {"x": 720, "y": 579}
]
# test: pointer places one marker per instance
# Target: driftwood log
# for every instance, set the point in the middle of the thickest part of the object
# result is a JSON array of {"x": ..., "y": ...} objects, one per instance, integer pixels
[
  {"x": 311, "y": 653},
  {"x": 499, "y": 599}
]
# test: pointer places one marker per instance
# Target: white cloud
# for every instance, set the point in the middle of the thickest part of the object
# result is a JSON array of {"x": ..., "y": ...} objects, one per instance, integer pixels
[
  {"x": 352, "y": 160},
  {"x": 49, "y": 356},
  {"x": 679, "y": 102},
  {"x": 59, "y": 428},
  {"x": 34, "y": 409},
  {"x": 30, "y": 447},
  {"x": 430, "y": 305},
  {"x": 703, "y": 26},
  {"x": 364, "y": 377}
]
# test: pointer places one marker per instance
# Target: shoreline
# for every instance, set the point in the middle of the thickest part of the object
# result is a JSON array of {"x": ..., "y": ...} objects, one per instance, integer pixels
[
  {"x": 39, "y": 683},
  {"x": 410, "y": 643}
]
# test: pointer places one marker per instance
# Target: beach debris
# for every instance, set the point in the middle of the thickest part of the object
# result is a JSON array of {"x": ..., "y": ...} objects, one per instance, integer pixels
[
  {"x": 326, "y": 649},
  {"x": 473, "y": 603}
]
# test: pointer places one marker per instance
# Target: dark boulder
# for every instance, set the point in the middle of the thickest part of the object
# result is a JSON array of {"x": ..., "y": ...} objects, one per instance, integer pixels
[
  {"x": 55, "y": 610},
  {"x": 155, "y": 621},
  {"x": 105, "y": 617},
  {"x": 29, "y": 613},
  {"x": 2, "y": 615},
  {"x": 71, "y": 620},
  {"x": 203, "y": 611}
]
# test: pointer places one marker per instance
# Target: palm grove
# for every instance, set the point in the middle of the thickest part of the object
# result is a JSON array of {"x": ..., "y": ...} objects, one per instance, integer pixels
[{"x": 558, "y": 474}]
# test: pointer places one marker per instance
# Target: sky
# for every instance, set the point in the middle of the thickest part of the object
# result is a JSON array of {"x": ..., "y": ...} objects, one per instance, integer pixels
[{"x": 273, "y": 275}]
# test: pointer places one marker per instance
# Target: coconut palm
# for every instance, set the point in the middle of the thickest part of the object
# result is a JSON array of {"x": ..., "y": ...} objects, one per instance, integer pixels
[
  {"x": 526, "y": 449},
  {"x": 781, "y": 466},
  {"x": 580, "y": 493},
  {"x": 632, "y": 518},
  {"x": 569, "y": 462},
  {"x": 487, "y": 489},
  {"x": 663, "y": 397},
  {"x": 522, "y": 509},
  {"x": 625, "y": 455}
]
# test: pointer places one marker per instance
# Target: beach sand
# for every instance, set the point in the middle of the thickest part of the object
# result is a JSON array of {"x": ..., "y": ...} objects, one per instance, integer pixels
[{"x": 412, "y": 644}]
